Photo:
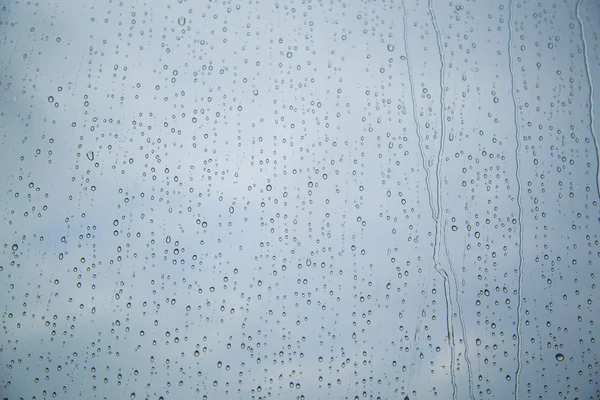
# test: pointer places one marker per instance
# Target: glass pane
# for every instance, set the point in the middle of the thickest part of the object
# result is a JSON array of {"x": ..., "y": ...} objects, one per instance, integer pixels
[{"x": 303, "y": 199}]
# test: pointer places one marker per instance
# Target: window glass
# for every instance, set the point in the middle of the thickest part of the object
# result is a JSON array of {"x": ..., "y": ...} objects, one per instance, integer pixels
[{"x": 299, "y": 199}]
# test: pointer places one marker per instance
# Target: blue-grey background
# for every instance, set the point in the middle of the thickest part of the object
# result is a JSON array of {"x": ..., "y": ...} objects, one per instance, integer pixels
[{"x": 303, "y": 199}]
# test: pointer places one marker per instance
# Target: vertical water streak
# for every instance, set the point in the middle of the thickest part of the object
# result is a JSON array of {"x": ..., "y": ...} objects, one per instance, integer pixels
[
  {"x": 460, "y": 317},
  {"x": 450, "y": 330},
  {"x": 415, "y": 115},
  {"x": 439, "y": 206},
  {"x": 519, "y": 194},
  {"x": 420, "y": 144},
  {"x": 591, "y": 95},
  {"x": 440, "y": 155}
]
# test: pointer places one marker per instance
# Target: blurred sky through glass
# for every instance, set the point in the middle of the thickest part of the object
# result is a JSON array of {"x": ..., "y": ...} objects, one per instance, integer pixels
[{"x": 303, "y": 199}]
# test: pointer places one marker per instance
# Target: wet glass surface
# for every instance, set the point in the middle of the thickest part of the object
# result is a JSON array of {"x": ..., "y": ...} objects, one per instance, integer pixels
[{"x": 303, "y": 199}]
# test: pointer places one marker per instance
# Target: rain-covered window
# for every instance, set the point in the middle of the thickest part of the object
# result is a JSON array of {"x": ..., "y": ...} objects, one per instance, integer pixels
[{"x": 299, "y": 199}]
